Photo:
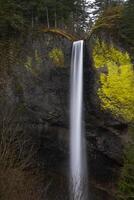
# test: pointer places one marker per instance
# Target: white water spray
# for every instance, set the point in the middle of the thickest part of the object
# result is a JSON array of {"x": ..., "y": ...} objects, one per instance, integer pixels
[{"x": 78, "y": 166}]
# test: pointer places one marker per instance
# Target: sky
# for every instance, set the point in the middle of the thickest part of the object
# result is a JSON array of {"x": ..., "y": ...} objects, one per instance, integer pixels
[
  {"x": 90, "y": 0},
  {"x": 90, "y": 10}
]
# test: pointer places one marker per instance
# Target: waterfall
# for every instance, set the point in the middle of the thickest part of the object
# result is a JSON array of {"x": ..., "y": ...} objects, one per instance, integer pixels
[{"x": 78, "y": 166}]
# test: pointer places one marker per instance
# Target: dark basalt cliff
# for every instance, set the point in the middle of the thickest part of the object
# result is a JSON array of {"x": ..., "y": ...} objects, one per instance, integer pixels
[{"x": 39, "y": 89}]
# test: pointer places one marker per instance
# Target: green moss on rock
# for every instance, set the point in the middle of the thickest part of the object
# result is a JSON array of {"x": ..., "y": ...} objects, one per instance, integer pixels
[{"x": 57, "y": 57}]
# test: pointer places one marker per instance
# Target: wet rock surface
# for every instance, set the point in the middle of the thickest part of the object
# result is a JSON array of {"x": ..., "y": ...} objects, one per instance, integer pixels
[{"x": 40, "y": 91}]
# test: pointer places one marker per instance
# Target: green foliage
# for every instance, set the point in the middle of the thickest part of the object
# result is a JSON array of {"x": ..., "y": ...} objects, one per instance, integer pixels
[
  {"x": 105, "y": 54},
  {"x": 114, "y": 19},
  {"x": 57, "y": 57},
  {"x": 127, "y": 25},
  {"x": 16, "y": 15},
  {"x": 33, "y": 63},
  {"x": 100, "y": 6},
  {"x": 126, "y": 183},
  {"x": 11, "y": 16},
  {"x": 28, "y": 63},
  {"x": 108, "y": 22},
  {"x": 117, "y": 84}
]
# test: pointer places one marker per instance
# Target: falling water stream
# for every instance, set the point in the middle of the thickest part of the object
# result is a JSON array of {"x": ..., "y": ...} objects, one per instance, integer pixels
[{"x": 78, "y": 166}]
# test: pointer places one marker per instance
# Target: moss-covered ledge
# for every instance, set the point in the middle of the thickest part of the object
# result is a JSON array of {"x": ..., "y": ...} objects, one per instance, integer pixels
[{"x": 60, "y": 32}]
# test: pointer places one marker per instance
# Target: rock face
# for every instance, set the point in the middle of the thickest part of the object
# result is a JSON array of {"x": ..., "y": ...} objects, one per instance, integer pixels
[
  {"x": 39, "y": 88},
  {"x": 104, "y": 139}
]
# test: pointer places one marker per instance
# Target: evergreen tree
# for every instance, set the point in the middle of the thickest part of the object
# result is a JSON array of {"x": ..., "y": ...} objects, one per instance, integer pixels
[
  {"x": 127, "y": 25},
  {"x": 101, "y": 5},
  {"x": 16, "y": 14},
  {"x": 11, "y": 15}
]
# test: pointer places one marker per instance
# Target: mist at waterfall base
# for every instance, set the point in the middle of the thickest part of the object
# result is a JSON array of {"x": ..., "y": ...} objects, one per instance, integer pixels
[{"x": 78, "y": 160}]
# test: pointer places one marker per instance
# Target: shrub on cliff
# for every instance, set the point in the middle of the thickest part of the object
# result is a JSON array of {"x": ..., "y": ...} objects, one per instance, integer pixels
[
  {"x": 57, "y": 57},
  {"x": 117, "y": 82},
  {"x": 17, "y": 155}
]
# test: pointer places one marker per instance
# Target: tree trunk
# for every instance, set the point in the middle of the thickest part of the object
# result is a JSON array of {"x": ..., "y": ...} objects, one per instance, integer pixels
[
  {"x": 48, "y": 24},
  {"x": 32, "y": 19},
  {"x": 55, "y": 16}
]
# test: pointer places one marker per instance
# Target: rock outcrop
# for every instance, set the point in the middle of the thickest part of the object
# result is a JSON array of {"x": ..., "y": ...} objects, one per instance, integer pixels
[{"x": 39, "y": 88}]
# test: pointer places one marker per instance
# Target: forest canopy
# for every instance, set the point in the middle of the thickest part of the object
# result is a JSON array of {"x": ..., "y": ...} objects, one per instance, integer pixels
[
  {"x": 17, "y": 15},
  {"x": 112, "y": 17}
]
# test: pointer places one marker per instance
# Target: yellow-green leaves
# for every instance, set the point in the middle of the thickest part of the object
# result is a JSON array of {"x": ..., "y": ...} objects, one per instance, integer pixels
[
  {"x": 28, "y": 63},
  {"x": 57, "y": 57},
  {"x": 105, "y": 54},
  {"x": 117, "y": 85},
  {"x": 33, "y": 63}
]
